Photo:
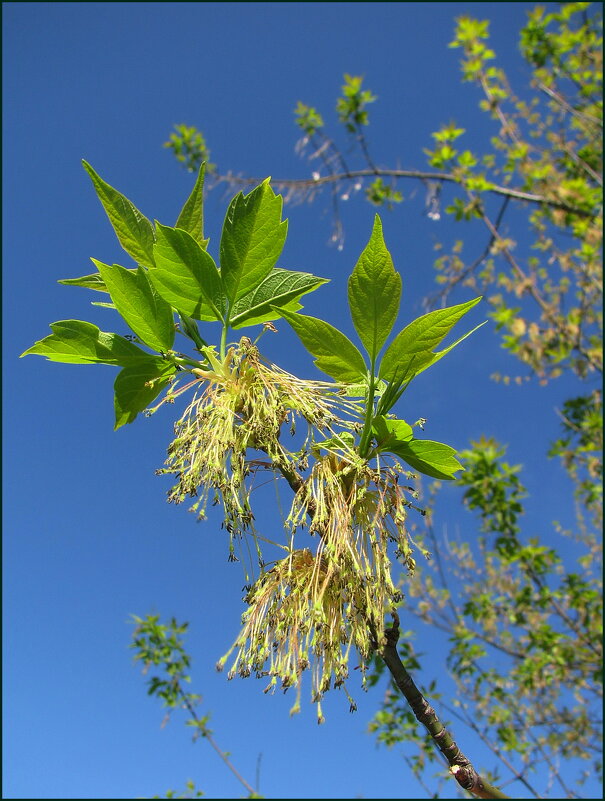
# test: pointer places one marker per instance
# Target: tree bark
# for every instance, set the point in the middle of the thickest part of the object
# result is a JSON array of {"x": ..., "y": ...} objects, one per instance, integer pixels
[{"x": 460, "y": 766}]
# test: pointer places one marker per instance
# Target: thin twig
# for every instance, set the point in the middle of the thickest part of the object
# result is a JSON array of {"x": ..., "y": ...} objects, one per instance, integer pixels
[
  {"x": 558, "y": 98},
  {"x": 350, "y": 175},
  {"x": 473, "y": 266},
  {"x": 530, "y": 286},
  {"x": 206, "y": 733}
]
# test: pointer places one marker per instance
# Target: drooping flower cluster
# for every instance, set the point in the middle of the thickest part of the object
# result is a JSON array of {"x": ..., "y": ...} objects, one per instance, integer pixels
[
  {"x": 243, "y": 404},
  {"x": 311, "y": 609},
  {"x": 302, "y": 614}
]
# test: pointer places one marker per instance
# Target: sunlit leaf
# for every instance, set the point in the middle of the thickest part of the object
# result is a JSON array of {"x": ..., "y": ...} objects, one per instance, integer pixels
[
  {"x": 92, "y": 281},
  {"x": 252, "y": 239},
  {"x": 133, "y": 229},
  {"x": 419, "y": 338},
  {"x": 136, "y": 387},
  {"x": 185, "y": 275},
  {"x": 191, "y": 218},
  {"x": 431, "y": 458},
  {"x": 374, "y": 293},
  {"x": 335, "y": 354},
  {"x": 280, "y": 289},
  {"x": 150, "y": 316},
  {"x": 389, "y": 431},
  {"x": 78, "y": 342}
]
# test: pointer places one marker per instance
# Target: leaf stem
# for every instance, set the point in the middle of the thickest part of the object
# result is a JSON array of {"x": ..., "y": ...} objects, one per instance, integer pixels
[
  {"x": 185, "y": 361},
  {"x": 224, "y": 332},
  {"x": 369, "y": 415}
]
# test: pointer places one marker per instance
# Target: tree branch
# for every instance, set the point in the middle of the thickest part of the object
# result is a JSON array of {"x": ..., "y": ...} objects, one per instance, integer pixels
[
  {"x": 460, "y": 766},
  {"x": 531, "y": 287},
  {"x": 475, "y": 264},
  {"x": 468, "y": 720},
  {"x": 351, "y": 175},
  {"x": 205, "y": 732}
]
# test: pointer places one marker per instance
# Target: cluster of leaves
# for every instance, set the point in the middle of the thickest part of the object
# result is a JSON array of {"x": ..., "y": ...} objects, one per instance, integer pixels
[
  {"x": 189, "y": 147},
  {"x": 177, "y": 276},
  {"x": 348, "y": 486},
  {"x": 549, "y": 148},
  {"x": 374, "y": 298},
  {"x": 308, "y": 119},
  {"x": 580, "y": 448},
  {"x": 190, "y": 792},
  {"x": 380, "y": 193},
  {"x": 351, "y": 106},
  {"x": 160, "y": 647}
]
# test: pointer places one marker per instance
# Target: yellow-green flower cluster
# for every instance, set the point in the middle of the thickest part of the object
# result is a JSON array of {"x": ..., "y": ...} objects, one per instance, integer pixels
[
  {"x": 242, "y": 403},
  {"x": 302, "y": 614},
  {"x": 311, "y": 609}
]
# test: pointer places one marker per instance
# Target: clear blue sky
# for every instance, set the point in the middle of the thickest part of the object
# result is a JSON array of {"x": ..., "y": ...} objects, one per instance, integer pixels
[{"x": 89, "y": 538}]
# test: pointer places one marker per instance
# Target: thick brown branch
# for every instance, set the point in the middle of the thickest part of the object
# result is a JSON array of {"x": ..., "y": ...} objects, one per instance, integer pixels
[
  {"x": 468, "y": 720},
  {"x": 460, "y": 766}
]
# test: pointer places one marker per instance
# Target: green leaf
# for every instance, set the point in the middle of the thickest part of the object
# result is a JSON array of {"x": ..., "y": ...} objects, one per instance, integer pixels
[
  {"x": 252, "y": 239},
  {"x": 186, "y": 276},
  {"x": 103, "y": 305},
  {"x": 191, "y": 218},
  {"x": 133, "y": 229},
  {"x": 281, "y": 289},
  {"x": 190, "y": 329},
  {"x": 374, "y": 293},
  {"x": 136, "y": 386},
  {"x": 431, "y": 458},
  {"x": 78, "y": 342},
  {"x": 150, "y": 316},
  {"x": 388, "y": 432},
  {"x": 419, "y": 338},
  {"x": 335, "y": 354},
  {"x": 92, "y": 281},
  {"x": 441, "y": 353}
]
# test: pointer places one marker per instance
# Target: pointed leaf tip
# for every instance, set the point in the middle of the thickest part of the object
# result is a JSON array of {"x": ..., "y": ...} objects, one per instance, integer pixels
[
  {"x": 132, "y": 228},
  {"x": 374, "y": 292},
  {"x": 334, "y": 353},
  {"x": 252, "y": 239}
]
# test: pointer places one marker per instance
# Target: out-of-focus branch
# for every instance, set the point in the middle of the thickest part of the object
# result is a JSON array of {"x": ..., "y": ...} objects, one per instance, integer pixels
[{"x": 319, "y": 181}]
